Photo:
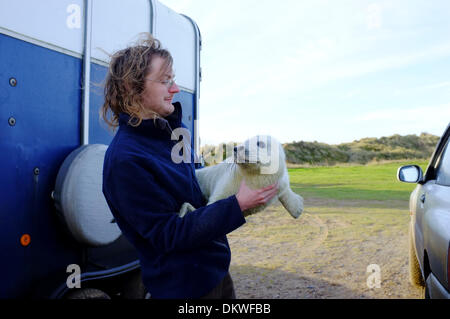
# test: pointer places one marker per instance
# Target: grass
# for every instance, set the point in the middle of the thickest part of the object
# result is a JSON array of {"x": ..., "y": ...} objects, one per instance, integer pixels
[{"x": 358, "y": 182}]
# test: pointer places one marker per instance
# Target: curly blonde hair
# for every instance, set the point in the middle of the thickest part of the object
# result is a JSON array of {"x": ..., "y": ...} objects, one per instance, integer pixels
[{"x": 124, "y": 82}]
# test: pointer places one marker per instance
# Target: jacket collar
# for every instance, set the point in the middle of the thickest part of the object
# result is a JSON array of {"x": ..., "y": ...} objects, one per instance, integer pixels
[{"x": 160, "y": 126}]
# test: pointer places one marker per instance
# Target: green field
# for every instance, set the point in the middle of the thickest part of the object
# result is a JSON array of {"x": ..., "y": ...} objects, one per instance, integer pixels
[{"x": 356, "y": 182}]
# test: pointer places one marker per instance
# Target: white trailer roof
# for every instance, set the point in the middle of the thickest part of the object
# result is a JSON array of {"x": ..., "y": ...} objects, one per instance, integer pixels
[{"x": 60, "y": 25}]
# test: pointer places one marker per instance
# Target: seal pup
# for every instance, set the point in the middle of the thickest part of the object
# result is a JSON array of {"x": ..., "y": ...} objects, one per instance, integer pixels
[{"x": 261, "y": 162}]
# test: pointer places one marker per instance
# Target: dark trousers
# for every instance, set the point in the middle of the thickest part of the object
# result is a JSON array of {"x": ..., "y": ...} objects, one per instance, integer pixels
[{"x": 224, "y": 290}]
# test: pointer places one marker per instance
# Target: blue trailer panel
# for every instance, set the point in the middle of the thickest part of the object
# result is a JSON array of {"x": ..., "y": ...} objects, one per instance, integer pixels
[{"x": 41, "y": 121}]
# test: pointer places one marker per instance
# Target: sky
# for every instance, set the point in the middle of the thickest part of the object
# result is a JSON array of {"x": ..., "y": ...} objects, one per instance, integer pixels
[{"x": 331, "y": 71}]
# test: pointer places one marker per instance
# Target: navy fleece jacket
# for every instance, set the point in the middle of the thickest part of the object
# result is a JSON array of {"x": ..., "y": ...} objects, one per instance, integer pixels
[{"x": 180, "y": 257}]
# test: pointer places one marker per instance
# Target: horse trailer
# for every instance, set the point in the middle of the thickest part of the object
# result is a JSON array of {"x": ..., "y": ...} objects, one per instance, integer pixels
[{"x": 58, "y": 238}]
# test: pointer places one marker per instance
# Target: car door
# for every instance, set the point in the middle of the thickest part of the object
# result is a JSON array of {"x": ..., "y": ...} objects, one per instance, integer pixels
[{"x": 434, "y": 210}]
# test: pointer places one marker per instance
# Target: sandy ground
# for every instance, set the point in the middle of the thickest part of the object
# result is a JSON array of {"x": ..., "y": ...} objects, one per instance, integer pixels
[{"x": 316, "y": 256}]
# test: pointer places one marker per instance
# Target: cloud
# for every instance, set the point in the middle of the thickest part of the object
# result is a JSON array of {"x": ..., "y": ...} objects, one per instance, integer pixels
[
  {"x": 361, "y": 67},
  {"x": 374, "y": 16},
  {"x": 352, "y": 93},
  {"x": 437, "y": 85},
  {"x": 422, "y": 113},
  {"x": 434, "y": 86}
]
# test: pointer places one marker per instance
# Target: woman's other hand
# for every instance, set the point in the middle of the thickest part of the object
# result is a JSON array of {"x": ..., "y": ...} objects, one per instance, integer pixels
[{"x": 249, "y": 198}]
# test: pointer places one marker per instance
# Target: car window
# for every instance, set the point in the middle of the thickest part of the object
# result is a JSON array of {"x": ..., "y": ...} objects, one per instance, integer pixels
[{"x": 443, "y": 172}]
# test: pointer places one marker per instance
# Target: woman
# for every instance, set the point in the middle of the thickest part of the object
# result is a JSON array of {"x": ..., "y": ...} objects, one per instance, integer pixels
[{"x": 185, "y": 257}]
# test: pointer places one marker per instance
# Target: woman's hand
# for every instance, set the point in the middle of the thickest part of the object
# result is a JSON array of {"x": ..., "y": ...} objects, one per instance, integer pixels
[{"x": 249, "y": 198}]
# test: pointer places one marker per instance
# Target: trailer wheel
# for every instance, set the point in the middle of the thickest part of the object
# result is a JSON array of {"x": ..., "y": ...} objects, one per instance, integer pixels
[
  {"x": 87, "y": 293},
  {"x": 79, "y": 198},
  {"x": 134, "y": 288}
]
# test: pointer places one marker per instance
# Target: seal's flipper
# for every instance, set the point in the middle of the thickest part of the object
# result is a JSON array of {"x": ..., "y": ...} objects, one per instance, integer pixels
[
  {"x": 292, "y": 202},
  {"x": 185, "y": 208}
]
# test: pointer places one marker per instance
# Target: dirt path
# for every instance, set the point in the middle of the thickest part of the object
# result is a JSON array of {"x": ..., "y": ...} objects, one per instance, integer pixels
[{"x": 325, "y": 253}]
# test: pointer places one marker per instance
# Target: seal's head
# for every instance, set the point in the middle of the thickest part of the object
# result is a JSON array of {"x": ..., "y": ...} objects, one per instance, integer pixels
[{"x": 261, "y": 154}]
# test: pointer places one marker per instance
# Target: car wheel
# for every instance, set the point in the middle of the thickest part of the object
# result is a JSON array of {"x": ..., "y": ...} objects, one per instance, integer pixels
[
  {"x": 426, "y": 293},
  {"x": 415, "y": 274},
  {"x": 86, "y": 293},
  {"x": 426, "y": 289}
]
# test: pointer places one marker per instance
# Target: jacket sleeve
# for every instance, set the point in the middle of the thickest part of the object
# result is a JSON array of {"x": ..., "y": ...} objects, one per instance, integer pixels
[{"x": 134, "y": 194}]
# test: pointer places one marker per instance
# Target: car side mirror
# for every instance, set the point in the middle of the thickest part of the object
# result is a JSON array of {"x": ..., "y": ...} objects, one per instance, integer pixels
[{"x": 409, "y": 174}]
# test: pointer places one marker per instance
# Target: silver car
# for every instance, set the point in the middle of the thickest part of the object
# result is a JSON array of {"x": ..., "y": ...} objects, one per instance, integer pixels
[{"x": 429, "y": 236}]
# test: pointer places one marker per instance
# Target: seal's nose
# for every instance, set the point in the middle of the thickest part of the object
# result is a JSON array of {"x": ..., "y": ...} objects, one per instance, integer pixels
[{"x": 238, "y": 149}]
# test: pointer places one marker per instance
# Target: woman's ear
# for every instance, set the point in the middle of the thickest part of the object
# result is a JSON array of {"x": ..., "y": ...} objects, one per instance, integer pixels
[{"x": 126, "y": 85}]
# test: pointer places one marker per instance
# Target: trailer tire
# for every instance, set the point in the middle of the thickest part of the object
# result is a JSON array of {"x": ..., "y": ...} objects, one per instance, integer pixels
[
  {"x": 87, "y": 293},
  {"x": 134, "y": 287},
  {"x": 79, "y": 198}
]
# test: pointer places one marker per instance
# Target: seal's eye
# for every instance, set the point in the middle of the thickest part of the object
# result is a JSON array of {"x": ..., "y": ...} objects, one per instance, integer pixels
[{"x": 260, "y": 144}]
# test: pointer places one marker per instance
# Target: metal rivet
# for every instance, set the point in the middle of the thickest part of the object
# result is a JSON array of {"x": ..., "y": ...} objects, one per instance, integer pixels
[
  {"x": 25, "y": 240},
  {"x": 36, "y": 171},
  {"x": 12, "y": 121},
  {"x": 12, "y": 82}
]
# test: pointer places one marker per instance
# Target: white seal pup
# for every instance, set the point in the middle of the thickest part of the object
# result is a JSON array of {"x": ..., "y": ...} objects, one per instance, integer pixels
[{"x": 261, "y": 162}]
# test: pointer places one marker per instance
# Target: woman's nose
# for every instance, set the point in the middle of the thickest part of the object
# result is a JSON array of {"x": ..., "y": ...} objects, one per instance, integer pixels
[{"x": 174, "y": 88}]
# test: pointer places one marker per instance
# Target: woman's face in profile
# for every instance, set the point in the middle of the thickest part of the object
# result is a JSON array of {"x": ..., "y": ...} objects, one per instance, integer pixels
[{"x": 159, "y": 89}]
